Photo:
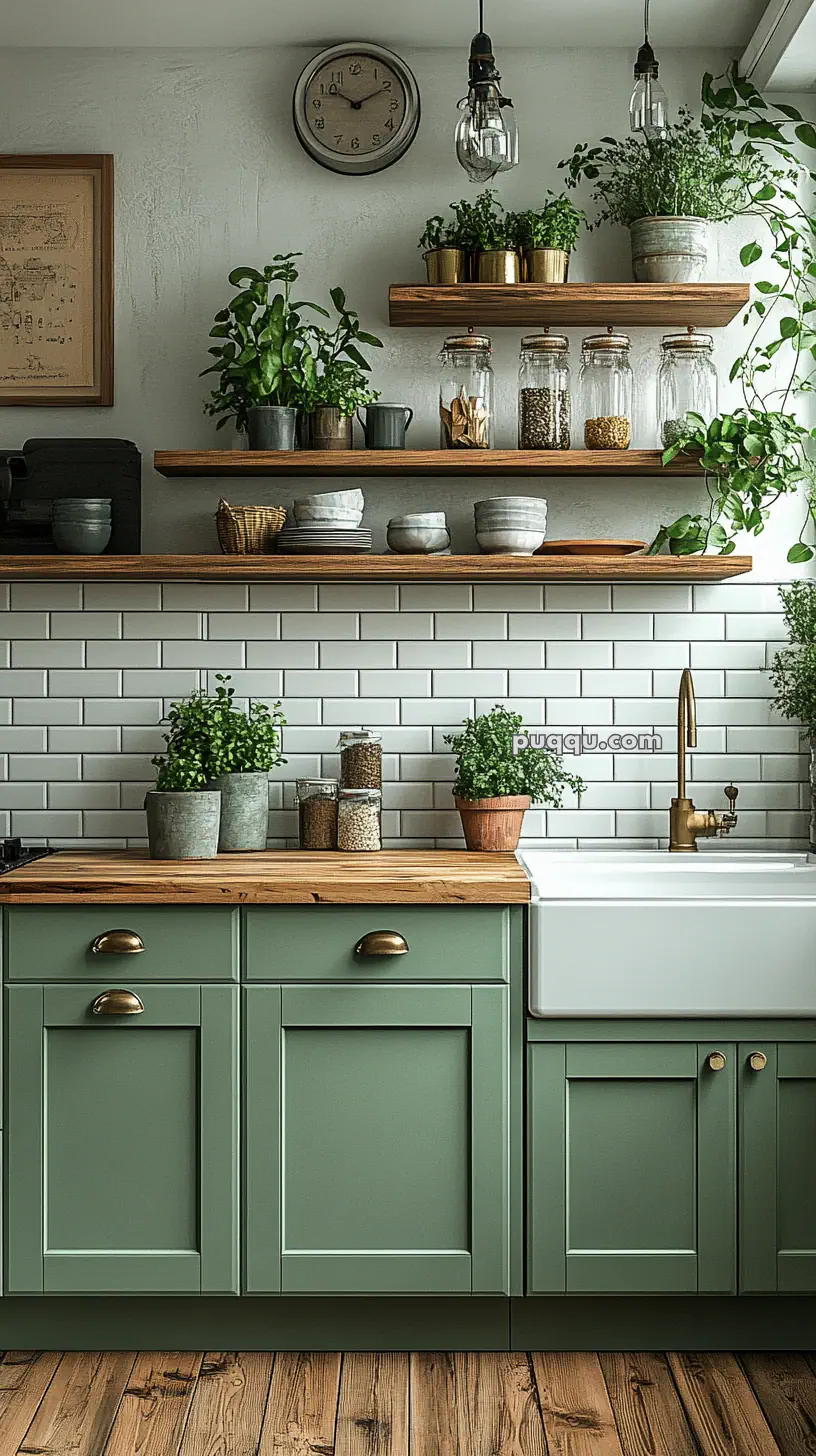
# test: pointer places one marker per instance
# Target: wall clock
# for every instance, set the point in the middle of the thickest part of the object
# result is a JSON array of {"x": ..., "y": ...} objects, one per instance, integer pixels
[{"x": 356, "y": 108}]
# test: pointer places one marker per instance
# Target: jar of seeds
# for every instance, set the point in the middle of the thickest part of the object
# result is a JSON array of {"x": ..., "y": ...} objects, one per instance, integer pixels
[
  {"x": 316, "y": 801},
  {"x": 360, "y": 759},
  {"x": 466, "y": 393},
  {"x": 359, "y": 819},
  {"x": 544, "y": 392},
  {"x": 686, "y": 382},
  {"x": 606, "y": 391}
]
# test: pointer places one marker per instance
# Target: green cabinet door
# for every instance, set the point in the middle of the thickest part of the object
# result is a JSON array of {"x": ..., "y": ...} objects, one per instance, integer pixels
[
  {"x": 122, "y": 1142},
  {"x": 778, "y": 1167},
  {"x": 377, "y": 1139},
  {"x": 631, "y": 1178}
]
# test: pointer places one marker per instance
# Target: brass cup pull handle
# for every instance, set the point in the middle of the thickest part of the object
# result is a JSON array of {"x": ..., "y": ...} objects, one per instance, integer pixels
[
  {"x": 118, "y": 1003},
  {"x": 715, "y": 1061},
  {"x": 382, "y": 943},
  {"x": 118, "y": 942},
  {"x": 757, "y": 1061}
]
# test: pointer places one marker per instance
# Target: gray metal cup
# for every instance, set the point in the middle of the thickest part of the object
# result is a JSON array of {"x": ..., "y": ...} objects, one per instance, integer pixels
[{"x": 385, "y": 425}]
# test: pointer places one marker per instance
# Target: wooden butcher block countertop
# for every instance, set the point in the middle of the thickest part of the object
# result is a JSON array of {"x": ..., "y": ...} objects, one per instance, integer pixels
[{"x": 273, "y": 877}]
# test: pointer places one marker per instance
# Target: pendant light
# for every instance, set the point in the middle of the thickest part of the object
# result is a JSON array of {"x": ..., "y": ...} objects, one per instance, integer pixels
[
  {"x": 486, "y": 132},
  {"x": 649, "y": 106}
]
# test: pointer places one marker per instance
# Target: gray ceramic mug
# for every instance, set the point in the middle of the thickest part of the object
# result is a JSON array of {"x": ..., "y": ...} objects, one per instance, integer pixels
[{"x": 385, "y": 425}]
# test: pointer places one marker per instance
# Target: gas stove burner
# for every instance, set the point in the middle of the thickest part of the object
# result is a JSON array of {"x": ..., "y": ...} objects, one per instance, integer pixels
[{"x": 14, "y": 854}]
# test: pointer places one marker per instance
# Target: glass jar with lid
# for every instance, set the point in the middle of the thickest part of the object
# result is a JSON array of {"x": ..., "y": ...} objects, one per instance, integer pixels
[
  {"x": 360, "y": 759},
  {"x": 606, "y": 391},
  {"x": 544, "y": 392},
  {"x": 316, "y": 801},
  {"x": 466, "y": 393},
  {"x": 686, "y": 382},
  {"x": 359, "y": 819}
]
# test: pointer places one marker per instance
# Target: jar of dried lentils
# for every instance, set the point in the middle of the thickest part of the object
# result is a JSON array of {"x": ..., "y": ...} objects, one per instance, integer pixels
[
  {"x": 316, "y": 801},
  {"x": 606, "y": 391},
  {"x": 359, "y": 819},
  {"x": 360, "y": 759},
  {"x": 544, "y": 392}
]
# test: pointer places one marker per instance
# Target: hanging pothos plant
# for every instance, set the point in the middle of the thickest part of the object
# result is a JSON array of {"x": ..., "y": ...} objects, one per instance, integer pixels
[{"x": 759, "y": 451}]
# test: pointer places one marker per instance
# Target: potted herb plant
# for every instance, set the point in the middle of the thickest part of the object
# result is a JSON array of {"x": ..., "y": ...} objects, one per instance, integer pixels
[
  {"x": 183, "y": 814},
  {"x": 341, "y": 384},
  {"x": 793, "y": 674},
  {"x": 235, "y": 751},
  {"x": 445, "y": 258},
  {"x": 488, "y": 233},
  {"x": 264, "y": 356},
  {"x": 495, "y": 785},
  {"x": 546, "y": 236},
  {"x": 667, "y": 190}
]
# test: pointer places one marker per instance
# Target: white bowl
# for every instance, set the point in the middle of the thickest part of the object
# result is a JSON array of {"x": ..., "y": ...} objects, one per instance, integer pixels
[
  {"x": 420, "y": 518},
  {"x": 533, "y": 502},
  {"x": 353, "y": 500},
  {"x": 330, "y": 523},
  {"x": 417, "y": 540},
  {"x": 327, "y": 515},
  {"x": 510, "y": 542}
]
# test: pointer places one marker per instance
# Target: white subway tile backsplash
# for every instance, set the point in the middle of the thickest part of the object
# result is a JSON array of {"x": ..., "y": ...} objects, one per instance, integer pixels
[
  {"x": 484, "y": 625},
  {"x": 444, "y": 654},
  {"x": 508, "y": 597},
  {"x": 84, "y": 796},
  {"x": 23, "y": 683},
  {"x": 739, "y": 684},
  {"x": 23, "y": 739},
  {"x": 291, "y": 654},
  {"x": 283, "y": 597},
  {"x": 123, "y": 710},
  {"x": 578, "y": 712},
  {"x": 46, "y": 824},
  {"x": 728, "y": 654},
  {"x": 489, "y": 682},
  {"x": 736, "y": 596},
  {"x": 737, "y": 711},
  {"x": 237, "y": 627},
  {"x": 123, "y": 654},
  {"x": 436, "y": 712},
  {"x": 651, "y": 597},
  {"x": 707, "y": 684},
  {"x": 118, "y": 822},
  {"x": 87, "y": 683},
  {"x": 784, "y": 767},
  {"x": 205, "y": 596},
  {"x": 505, "y": 654},
  {"x": 547, "y": 683},
  {"x": 46, "y": 596},
  {"x": 220, "y": 656},
  {"x": 353, "y": 712},
  {"x": 432, "y": 766},
  {"x": 652, "y": 654},
  {"x": 23, "y": 796},
  {"x": 399, "y": 683},
  {"x": 358, "y": 597},
  {"x": 546, "y": 627},
  {"x": 403, "y": 795},
  {"x": 327, "y": 683},
  {"x": 47, "y": 654},
  {"x": 762, "y": 740},
  {"x": 175, "y": 683},
  {"x": 331, "y": 624},
  {"x": 85, "y": 624},
  {"x": 570, "y": 597},
  {"x": 600, "y": 823},
  {"x": 141, "y": 740},
  {"x": 436, "y": 598},
  {"x": 619, "y": 682},
  {"x": 111, "y": 767},
  {"x": 140, "y": 625},
  {"x": 48, "y": 710},
  {"x": 579, "y": 654},
  {"x": 85, "y": 740},
  {"x": 118, "y": 596},
  {"x": 531, "y": 710},
  {"x": 408, "y": 626},
  {"x": 751, "y": 626},
  {"x": 23, "y": 624},
  {"x": 689, "y": 627},
  {"x": 739, "y": 768},
  {"x": 406, "y": 740},
  {"x": 618, "y": 626},
  {"x": 303, "y": 711}
]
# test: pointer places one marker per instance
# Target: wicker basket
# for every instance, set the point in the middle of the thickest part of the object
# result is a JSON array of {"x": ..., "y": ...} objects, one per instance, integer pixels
[{"x": 248, "y": 530}]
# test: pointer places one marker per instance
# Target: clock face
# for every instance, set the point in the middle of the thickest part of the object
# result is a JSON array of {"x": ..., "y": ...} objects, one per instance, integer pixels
[{"x": 356, "y": 108}]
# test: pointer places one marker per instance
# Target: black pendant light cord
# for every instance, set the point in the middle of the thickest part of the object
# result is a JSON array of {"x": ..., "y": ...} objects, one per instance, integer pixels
[
  {"x": 645, "y": 18},
  {"x": 481, "y": 15}
]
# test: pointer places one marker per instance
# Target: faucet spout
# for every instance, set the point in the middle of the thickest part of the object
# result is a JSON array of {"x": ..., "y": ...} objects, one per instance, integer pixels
[
  {"x": 686, "y": 727},
  {"x": 687, "y": 824}
]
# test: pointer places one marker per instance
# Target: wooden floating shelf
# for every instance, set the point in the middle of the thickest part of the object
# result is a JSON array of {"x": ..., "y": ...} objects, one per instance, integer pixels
[
  {"x": 526, "y": 305},
  {"x": 516, "y": 463},
  {"x": 373, "y": 568}
]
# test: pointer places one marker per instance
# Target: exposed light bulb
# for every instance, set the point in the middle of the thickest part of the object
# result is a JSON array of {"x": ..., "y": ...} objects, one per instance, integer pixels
[
  {"x": 648, "y": 104},
  {"x": 486, "y": 132}
]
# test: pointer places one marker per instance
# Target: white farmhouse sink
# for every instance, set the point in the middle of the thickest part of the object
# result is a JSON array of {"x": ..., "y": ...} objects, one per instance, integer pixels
[{"x": 659, "y": 934}]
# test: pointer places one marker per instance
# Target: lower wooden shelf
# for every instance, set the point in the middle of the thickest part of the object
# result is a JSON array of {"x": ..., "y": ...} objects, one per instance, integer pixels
[{"x": 373, "y": 568}]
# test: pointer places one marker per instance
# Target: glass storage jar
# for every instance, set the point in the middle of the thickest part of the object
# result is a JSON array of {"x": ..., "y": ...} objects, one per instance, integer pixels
[
  {"x": 359, "y": 819},
  {"x": 686, "y": 381},
  {"x": 606, "y": 391},
  {"x": 360, "y": 759},
  {"x": 316, "y": 801},
  {"x": 544, "y": 392},
  {"x": 466, "y": 393}
]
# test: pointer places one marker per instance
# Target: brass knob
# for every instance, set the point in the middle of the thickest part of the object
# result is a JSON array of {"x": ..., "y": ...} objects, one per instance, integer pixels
[
  {"x": 382, "y": 943},
  {"x": 118, "y": 1003},
  {"x": 118, "y": 942},
  {"x": 757, "y": 1061},
  {"x": 715, "y": 1061}
]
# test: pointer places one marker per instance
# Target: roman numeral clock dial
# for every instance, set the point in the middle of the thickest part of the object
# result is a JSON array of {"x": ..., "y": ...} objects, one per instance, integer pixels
[{"x": 356, "y": 108}]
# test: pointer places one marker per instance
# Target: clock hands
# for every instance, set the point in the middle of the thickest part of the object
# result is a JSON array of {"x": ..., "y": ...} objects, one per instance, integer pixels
[{"x": 355, "y": 105}]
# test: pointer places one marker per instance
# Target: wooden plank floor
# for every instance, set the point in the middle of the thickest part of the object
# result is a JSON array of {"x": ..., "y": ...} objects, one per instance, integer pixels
[{"x": 171, "y": 1403}]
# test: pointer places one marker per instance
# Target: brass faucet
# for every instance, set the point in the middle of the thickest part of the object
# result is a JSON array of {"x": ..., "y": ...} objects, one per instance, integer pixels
[{"x": 687, "y": 824}]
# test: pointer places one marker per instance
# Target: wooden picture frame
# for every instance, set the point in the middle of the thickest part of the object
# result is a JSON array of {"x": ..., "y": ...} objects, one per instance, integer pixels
[{"x": 56, "y": 279}]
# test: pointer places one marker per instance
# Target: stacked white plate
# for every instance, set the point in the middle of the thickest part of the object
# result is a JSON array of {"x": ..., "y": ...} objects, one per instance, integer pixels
[{"x": 322, "y": 540}]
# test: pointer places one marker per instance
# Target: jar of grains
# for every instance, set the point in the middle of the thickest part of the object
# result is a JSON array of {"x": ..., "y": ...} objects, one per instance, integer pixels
[
  {"x": 316, "y": 801},
  {"x": 359, "y": 819},
  {"x": 686, "y": 381},
  {"x": 544, "y": 392},
  {"x": 466, "y": 393},
  {"x": 360, "y": 759},
  {"x": 606, "y": 392}
]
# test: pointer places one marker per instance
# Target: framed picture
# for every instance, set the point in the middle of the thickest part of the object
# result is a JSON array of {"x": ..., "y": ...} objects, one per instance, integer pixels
[{"x": 56, "y": 280}]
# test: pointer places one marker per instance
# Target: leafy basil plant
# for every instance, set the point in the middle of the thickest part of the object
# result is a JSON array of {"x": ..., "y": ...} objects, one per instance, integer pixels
[
  {"x": 208, "y": 736},
  {"x": 555, "y": 225}
]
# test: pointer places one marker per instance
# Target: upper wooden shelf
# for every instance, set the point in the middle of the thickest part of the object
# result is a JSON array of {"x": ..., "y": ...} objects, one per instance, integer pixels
[
  {"x": 373, "y": 568},
  {"x": 418, "y": 462},
  {"x": 527, "y": 305}
]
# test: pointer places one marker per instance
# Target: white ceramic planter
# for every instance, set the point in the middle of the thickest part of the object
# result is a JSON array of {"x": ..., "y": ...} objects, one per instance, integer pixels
[{"x": 670, "y": 249}]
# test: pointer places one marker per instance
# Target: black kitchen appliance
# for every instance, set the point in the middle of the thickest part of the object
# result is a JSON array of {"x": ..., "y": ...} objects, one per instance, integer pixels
[
  {"x": 13, "y": 854},
  {"x": 46, "y": 470}
]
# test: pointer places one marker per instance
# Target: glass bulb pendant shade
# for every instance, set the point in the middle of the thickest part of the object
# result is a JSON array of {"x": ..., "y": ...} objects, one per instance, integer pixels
[
  {"x": 486, "y": 132},
  {"x": 648, "y": 104}
]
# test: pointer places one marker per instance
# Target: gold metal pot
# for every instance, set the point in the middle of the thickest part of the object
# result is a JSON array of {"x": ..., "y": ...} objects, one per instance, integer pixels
[
  {"x": 546, "y": 265},
  {"x": 499, "y": 265},
  {"x": 446, "y": 266}
]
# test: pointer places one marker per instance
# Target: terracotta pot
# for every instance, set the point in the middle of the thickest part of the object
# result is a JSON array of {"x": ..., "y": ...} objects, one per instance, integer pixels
[{"x": 493, "y": 824}]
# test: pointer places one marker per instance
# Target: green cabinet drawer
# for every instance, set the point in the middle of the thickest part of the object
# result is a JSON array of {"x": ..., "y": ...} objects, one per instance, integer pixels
[
  {"x": 316, "y": 943},
  {"x": 181, "y": 943}
]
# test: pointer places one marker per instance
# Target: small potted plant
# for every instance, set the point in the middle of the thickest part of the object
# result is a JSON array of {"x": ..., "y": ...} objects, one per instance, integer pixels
[
  {"x": 445, "y": 258},
  {"x": 264, "y": 356},
  {"x": 793, "y": 674},
  {"x": 183, "y": 814},
  {"x": 488, "y": 233},
  {"x": 546, "y": 236},
  {"x": 235, "y": 751},
  {"x": 341, "y": 385},
  {"x": 496, "y": 783}
]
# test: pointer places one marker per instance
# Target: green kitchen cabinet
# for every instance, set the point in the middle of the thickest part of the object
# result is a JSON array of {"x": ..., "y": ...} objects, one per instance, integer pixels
[
  {"x": 377, "y": 1139},
  {"x": 122, "y": 1141},
  {"x": 632, "y": 1168},
  {"x": 778, "y": 1167}
]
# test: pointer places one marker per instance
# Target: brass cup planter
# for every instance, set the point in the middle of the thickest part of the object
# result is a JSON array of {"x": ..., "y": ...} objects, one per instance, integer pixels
[
  {"x": 446, "y": 266},
  {"x": 493, "y": 824},
  {"x": 545, "y": 265},
  {"x": 330, "y": 429},
  {"x": 498, "y": 265}
]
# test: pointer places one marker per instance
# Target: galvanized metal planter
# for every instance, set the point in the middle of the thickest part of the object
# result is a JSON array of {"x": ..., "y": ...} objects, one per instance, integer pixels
[
  {"x": 271, "y": 427},
  {"x": 183, "y": 825},
  {"x": 244, "y": 811},
  {"x": 670, "y": 249}
]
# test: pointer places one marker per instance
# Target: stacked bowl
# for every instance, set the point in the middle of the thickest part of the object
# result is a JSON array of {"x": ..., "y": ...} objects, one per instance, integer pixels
[
  {"x": 329, "y": 522},
  {"x": 513, "y": 525},
  {"x": 81, "y": 526}
]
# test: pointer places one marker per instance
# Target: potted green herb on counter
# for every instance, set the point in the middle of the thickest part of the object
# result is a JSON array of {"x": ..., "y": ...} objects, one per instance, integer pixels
[
  {"x": 793, "y": 674},
  {"x": 495, "y": 785},
  {"x": 183, "y": 815},
  {"x": 546, "y": 236}
]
